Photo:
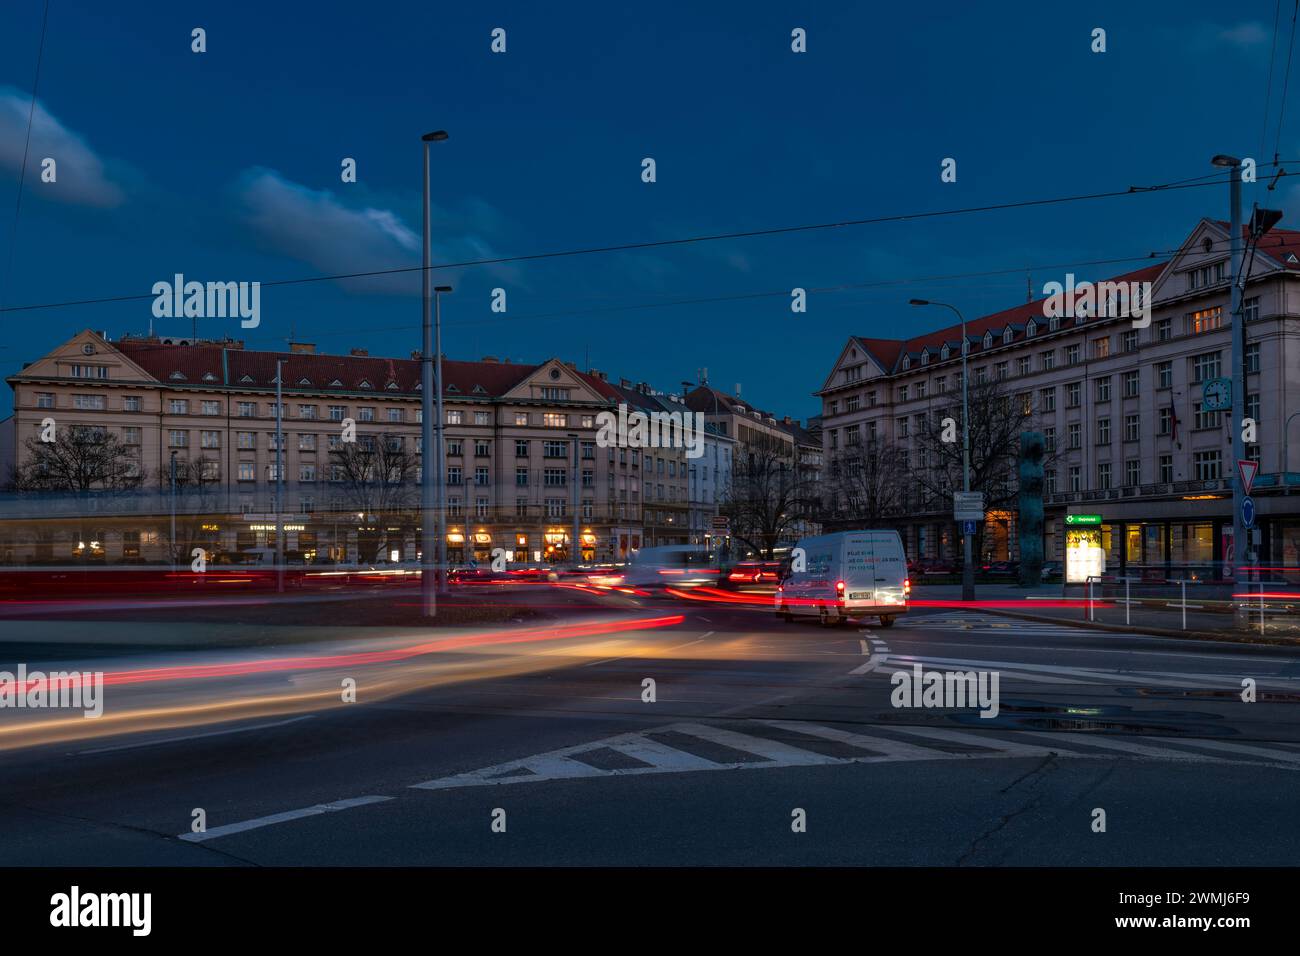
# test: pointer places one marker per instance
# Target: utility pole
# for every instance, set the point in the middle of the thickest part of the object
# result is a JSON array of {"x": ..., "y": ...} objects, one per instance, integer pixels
[
  {"x": 432, "y": 539},
  {"x": 279, "y": 476},
  {"x": 438, "y": 425}
]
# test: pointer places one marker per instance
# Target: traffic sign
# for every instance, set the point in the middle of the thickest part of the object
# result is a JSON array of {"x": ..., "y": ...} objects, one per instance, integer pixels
[
  {"x": 1247, "y": 470},
  {"x": 968, "y": 527},
  {"x": 1248, "y": 512},
  {"x": 721, "y": 522},
  {"x": 968, "y": 505},
  {"x": 1083, "y": 519}
]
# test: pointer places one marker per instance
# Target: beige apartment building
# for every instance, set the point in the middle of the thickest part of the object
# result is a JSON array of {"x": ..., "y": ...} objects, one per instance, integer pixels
[
  {"x": 510, "y": 432},
  {"x": 1121, "y": 407}
]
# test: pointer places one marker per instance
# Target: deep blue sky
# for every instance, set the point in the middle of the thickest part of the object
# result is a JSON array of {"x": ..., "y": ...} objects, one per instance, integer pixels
[{"x": 225, "y": 165}]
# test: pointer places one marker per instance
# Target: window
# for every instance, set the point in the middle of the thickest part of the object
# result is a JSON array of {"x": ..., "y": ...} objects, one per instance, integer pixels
[
  {"x": 1132, "y": 427},
  {"x": 338, "y": 413},
  {"x": 46, "y": 399},
  {"x": 307, "y": 471},
  {"x": 1164, "y": 374},
  {"x": 1252, "y": 357},
  {"x": 394, "y": 414},
  {"x": 210, "y": 439},
  {"x": 482, "y": 448},
  {"x": 1128, "y": 342},
  {"x": 588, "y": 450},
  {"x": 555, "y": 420},
  {"x": 306, "y": 411},
  {"x": 1132, "y": 472},
  {"x": 1101, "y": 347},
  {"x": 1076, "y": 434},
  {"x": 247, "y": 471},
  {"x": 247, "y": 409},
  {"x": 902, "y": 393},
  {"x": 553, "y": 394},
  {"x": 130, "y": 435},
  {"x": 521, "y": 477},
  {"x": 178, "y": 438},
  {"x": 1166, "y": 424},
  {"x": 246, "y": 441},
  {"x": 1164, "y": 330},
  {"x": 555, "y": 449},
  {"x": 521, "y": 418},
  {"x": 1023, "y": 365},
  {"x": 588, "y": 421},
  {"x": 1047, "y": 399},
  {"x": 1049, "y": 481},
  {"x": 454, "y": 475},
  {"x": 210, "y": 408},
  {"x": 553, "y": 477},
  {"x": 555, "y": 507},
  {"x": 335, "y": 442},
  {"x": 1202, "y": 419},
  {"x": 1047, "y": 360},
  {"x": 1132, "y": 382},
  {"x": 307, "y": 441},
  {"x": 178, "y": 406},
  {"x": 1001, "y": 370},
  {"x": 1103, "y": 431},
  {"x": 453, "y": 507},
  {"x": 481, "y": 476},
  {"x": 1206, "y": 465},
  {"x": 1072, "y": 354},
  {"x": 1250, "y": 309},
  {"x": 521, "y": 507},
  {"x": 588, "y": 478},
  {"x": 1166, "y": 469},
  {"x": 1205, "y": 320},
  {"x": 129, "y": 404},
  {"x": 1049, "y": 439},
  {"x": 1076, "y": 478},
  {"x": 455, "y": 417},
  {"x": 1103, "y": 475},
  {"x": 1205, "y": 367},
  {"x": 271, "y": 409},
  {"x": 368, "y": 415},
  {"x": 481, "y": 507},
  {"x": 1073, "y": 392},
  {"x": 521, "y": 447},
  {"x": 1103, "y": 388},
  {"x": 901, "y": 430},
  {"x": 482, "y": 418},
  {"x": 90, "y": 371}
]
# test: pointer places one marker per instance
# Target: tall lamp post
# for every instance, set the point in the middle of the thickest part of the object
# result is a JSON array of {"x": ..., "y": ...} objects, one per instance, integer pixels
[
  {"x": 173, "y": 496},
  {"x": 431, "y": 445},
  {"x": 968, "y": 565},
  {"x": 441, "y": 476}
]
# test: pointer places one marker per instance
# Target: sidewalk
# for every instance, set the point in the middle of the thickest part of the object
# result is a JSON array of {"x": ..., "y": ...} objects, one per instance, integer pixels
[{"x": 1159, "y": 614}]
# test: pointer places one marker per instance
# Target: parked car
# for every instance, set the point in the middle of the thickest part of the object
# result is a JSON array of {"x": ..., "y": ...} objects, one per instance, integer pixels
[{"x": 1051, "y": 570}]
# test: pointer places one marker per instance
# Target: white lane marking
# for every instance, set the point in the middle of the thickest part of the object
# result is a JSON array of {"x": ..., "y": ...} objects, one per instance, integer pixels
[
  {"x": 1282, "y": 755},
  {"x": 1114, "y": 743},
  {"x": 274, "y": 818},
  {"x": 974, "y": 740},
  {"x": 771, "y": 749},
  {"x": 212, "y": 733},
  {"x": 866, "y": 648},
  {"x": 892, "y": 748},
  {"x": 608, "y": 660},
  {"x": 660, "y": 755},
  {"x": 1004, "y": 674},
  {"x": 1146, "y": 677}
]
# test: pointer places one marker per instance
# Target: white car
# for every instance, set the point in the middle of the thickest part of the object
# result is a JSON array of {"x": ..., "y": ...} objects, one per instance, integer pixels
[{"x": 841, "y": 577}]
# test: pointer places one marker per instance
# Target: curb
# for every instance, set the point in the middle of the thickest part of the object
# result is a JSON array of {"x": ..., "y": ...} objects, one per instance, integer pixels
[{"x": 1232, "y": 637}]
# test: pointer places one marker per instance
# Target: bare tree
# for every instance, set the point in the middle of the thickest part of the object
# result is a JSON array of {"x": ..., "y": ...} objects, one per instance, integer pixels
[
  {"x": 198, "y": 501},
  {"x": 376, "y": 476},
  {"x": 767, "y": 498},
  {"x": 81, "y": 458},
  {"x": 867, "y": 484}
]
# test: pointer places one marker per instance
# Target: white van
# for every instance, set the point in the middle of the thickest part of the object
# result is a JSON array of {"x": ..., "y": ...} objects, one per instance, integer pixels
[
  {"x": 852, "y": 574},
  {"x": 671, "y": 565}
]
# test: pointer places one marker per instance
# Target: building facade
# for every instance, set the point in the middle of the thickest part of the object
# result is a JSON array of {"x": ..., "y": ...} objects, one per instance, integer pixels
[{"x": 1120, "y": 404}]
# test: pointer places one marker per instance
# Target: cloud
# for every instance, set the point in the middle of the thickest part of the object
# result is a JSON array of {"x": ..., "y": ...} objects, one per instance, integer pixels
[
  {"x": 1245, "y": 36},
  {"x": 81, "y": 178},
  {"x": 316, "y": 227}
]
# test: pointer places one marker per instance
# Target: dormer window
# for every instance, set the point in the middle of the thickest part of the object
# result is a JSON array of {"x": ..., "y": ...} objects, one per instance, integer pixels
[
  {"x": 945, "y": 352},
  {"x": 988, "y": 340},
  {"x": 304, "y": 381},
  {"x": 209, "y": 377},
  {"x": 452, "y": 388},
  {"x": 177, "y": 376},
  {"x": 336, "y": 384},
  {"x": 246, "y": 380},
  {"x": 907, "y": 361},
  {"x": 391, "y": 386},
  {"x": 925, "y": 358},
  {"x": 1054, "y": 323},
  {"x": 1031, "y": 328},
  {"x": 365, "y": 384},
  {"x": 1007, "y": 336},
  {"x": 480, "y": 390}
]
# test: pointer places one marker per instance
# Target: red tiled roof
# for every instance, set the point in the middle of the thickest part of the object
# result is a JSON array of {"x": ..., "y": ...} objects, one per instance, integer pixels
[{"x": 320, "y": 371}]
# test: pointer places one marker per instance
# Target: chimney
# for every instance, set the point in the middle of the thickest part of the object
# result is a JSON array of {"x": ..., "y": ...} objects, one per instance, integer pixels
[
  {"x": 738, "y": 390},
  {"x": 704, "y": 375},
  {"x": 624, "y": 383},
  {"x": 416, "y": 355},
  {"x": 490, "y": 359},
  {"x": 359, "y": 353},
  {"x": 303, "y": 348}
]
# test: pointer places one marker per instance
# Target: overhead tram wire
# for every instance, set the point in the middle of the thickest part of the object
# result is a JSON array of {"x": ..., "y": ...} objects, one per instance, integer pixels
[{"x": 663, "y": 243}]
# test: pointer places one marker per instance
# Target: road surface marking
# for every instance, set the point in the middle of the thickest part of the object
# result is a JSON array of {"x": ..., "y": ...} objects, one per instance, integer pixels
[
  {"x": 660, "y": 755},
  {"x": 212, "y": 733},
  {"x": 1114, "y": 743},
  {"x": 1282, "y": 755},
  {"x": 771, "y": 749},
  {"x": 274, "y": 818},
  {"x": 892, "y": 748},
  {"x": 974, "y": 740}
]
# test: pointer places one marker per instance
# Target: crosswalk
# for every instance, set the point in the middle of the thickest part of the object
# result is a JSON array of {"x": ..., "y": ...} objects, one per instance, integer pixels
[
  {"x": 961, "y": 621},
  {"x": 764, "y": 744}
]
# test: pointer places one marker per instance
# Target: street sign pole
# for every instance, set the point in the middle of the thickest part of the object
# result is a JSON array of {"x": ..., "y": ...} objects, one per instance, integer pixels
[{"x": 1238, "y": 326}]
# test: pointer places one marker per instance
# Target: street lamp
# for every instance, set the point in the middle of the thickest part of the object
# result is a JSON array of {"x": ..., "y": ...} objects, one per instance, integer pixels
[
  {"x": 1286, "y": 426},
  {"x": 430, "y": 438},
  {"x": 173, "y": 474},
  {"x": 968, "y": 567}
]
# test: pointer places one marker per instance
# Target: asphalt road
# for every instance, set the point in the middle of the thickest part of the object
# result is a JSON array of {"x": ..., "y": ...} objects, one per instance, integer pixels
[{"x": 765, "y": 743}]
